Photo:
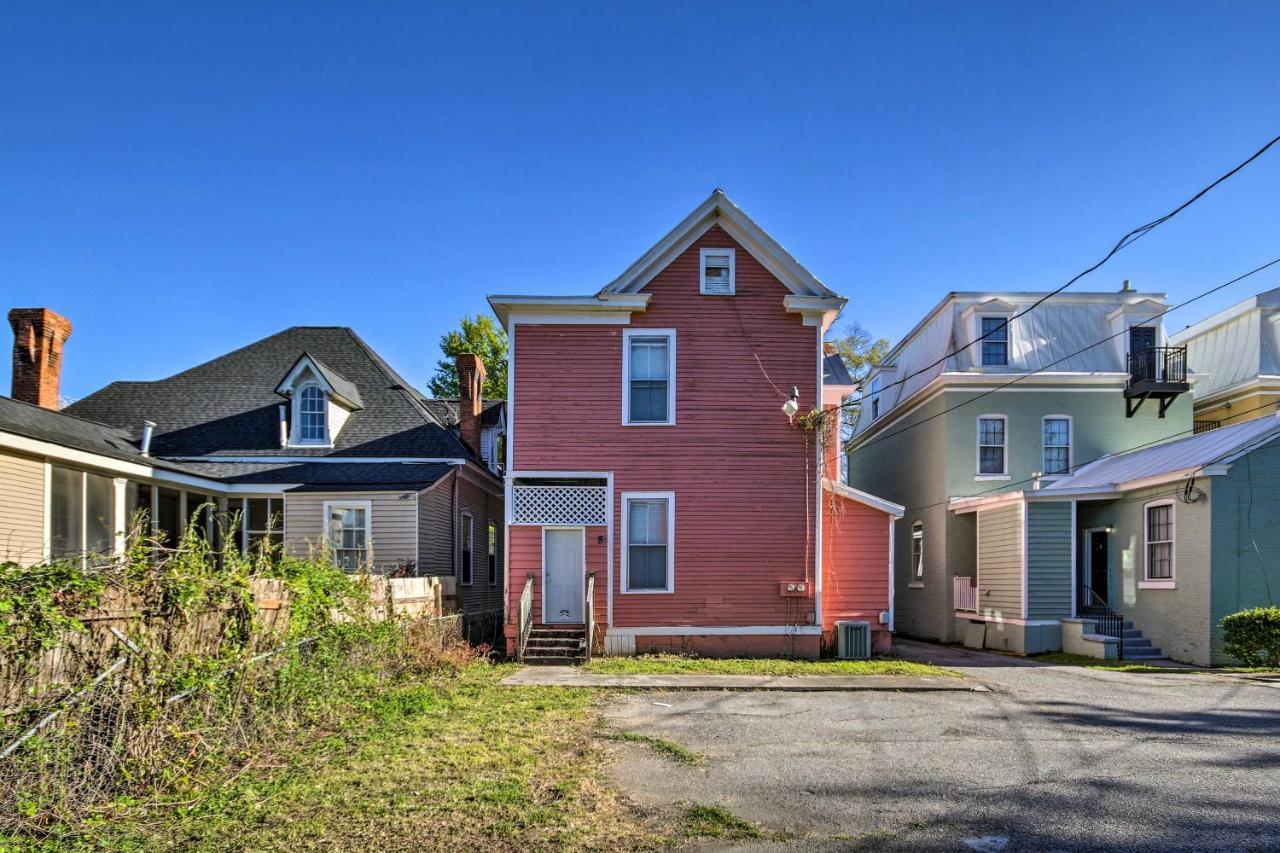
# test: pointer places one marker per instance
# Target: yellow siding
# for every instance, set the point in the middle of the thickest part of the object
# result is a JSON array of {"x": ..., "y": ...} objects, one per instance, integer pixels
[
  {"x": 21, "y": 509},
  {"x": 1256, "y": 405},
  {"x": 394, "y": 524}
]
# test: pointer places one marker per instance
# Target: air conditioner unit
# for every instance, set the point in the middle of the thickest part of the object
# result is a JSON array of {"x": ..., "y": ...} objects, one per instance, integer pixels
[{"x": 853, "y": 640}]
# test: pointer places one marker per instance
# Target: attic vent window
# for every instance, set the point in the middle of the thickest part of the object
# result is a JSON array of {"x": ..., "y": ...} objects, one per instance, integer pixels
[{"x": 717, "y": 277}]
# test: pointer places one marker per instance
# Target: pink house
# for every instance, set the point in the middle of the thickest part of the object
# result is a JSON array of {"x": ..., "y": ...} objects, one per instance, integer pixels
[{"x": 658, "y": 495}]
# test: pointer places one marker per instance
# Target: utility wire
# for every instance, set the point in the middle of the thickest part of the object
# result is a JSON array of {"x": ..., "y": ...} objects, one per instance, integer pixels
[
  {"x": 1045, "y": 367},
  {"x": 1125, "y": 241},
  {"x": 1075, "y": 468}
]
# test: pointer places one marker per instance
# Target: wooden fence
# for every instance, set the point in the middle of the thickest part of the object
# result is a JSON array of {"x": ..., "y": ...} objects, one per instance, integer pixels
[{"x": 120, "y": 619}]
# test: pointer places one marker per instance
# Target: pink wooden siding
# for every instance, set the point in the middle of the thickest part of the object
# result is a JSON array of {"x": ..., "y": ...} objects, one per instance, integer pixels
[
  {"x": 743, "y": 477},
  {"x": 525, "y": 560},
  {"x": 855, "y": 567}
]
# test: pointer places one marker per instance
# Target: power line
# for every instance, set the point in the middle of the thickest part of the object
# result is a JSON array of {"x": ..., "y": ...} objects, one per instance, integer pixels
[
  {"x": 1080, "y": 351},
  {"x": 1125, "y": 241},
  {"x": 1075, "y": 468}
]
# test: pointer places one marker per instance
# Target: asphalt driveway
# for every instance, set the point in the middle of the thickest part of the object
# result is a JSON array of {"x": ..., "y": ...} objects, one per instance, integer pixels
[{"x": 1051, "y": 758}]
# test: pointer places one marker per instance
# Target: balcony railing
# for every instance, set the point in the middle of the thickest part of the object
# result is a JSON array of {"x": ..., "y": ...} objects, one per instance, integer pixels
[
  {"x": 1155, "y": 373},
  {"x": 965, "y": 593},
  {"x": 1204, "y": 426}
]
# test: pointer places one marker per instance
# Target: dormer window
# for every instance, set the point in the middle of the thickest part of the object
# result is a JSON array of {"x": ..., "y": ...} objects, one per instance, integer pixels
[
  {"x": 717, "y": 278},
  {"x": 320, "y": 401},
  {"x": 995, "y": 341},
  {"x": 313, "y": 416}
]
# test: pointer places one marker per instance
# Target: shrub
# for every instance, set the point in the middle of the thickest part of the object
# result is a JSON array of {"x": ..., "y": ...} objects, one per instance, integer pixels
[{"x": 1253, "y": 636}]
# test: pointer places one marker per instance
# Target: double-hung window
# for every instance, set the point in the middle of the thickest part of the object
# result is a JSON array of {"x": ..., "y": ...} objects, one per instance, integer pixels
[
  {"x": 468, "y": 550},
  {"x": 1159, "y": 541},
  {"x": 649, "y": 533},
  {"x": 649, "y": 361},
  {"x": 917, "y": 552},
  {"x": 313, "y": 414},
  {"x": 717, "y": 273},
  {"x": 875, "y": 398},
  {"x": 993, "y": 446},
  {"x": 493, "y": 554},
  {"x": 1057, "y": 445},
  {"x": 348, "y": 532},
  {"x": 995, "y": 341}
]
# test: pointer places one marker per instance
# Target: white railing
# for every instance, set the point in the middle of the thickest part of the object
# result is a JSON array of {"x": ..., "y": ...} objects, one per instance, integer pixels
[
  {"x": 966, "y": 594},
  {"x": 589, "y": 611},
  {"x": 526, "y": 617}
]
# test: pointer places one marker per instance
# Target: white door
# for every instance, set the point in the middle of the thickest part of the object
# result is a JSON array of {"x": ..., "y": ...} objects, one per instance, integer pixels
[{"x": 563, "y": 574}]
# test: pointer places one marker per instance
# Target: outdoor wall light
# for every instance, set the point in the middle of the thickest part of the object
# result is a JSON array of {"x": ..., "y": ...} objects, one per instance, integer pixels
[
  {"x": 1110, "y": 528},
  {"x": 792, "y": 406}
]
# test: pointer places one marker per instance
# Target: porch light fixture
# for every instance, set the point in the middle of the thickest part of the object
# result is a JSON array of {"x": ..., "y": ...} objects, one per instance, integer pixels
[
  {"x": 792, "y": 406},
  {"x": 1110, "y": 528}
]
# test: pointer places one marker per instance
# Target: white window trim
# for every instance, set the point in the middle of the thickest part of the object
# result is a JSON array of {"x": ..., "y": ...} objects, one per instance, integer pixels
[
  {"x": 366, "y": 505},
  {"x": 1071, "y": 444},
  {"x": 670, "y": 497},
  {"x": 491, "y": 533},
  {"x": 702, "y": 271},
  {"x": 1008, "y": 338},
  {"x": 627, "y": 335},
  {"x": 977, "y": 448},
  {"x": 468, "y": 522},
  {"x": 917, "y": 578},
  {"x": 295, "y": 428},
  {"x": 1160, "y": 583}
]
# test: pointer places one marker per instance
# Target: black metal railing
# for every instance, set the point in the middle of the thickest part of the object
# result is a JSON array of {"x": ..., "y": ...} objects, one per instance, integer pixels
[
  {"x": 1158, "y": 364},
  {"x": 1106, "y": 621}
]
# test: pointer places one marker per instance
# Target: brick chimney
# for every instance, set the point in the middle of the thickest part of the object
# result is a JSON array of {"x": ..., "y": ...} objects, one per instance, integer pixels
[
  {"x": 38, "y": 337},
  {"x": 471, "y": 375}
]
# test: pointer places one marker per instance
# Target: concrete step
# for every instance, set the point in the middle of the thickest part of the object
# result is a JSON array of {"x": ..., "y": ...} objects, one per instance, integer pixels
[
  {"x": 1135, "y": 643},
  {"x": 570, "y": 633},
  {"x": 556, "y": 642},
  {"x": 1132, "y": 634},
  {"x": 553, "y": 660},
  {"x": 1150, "y": 653}
]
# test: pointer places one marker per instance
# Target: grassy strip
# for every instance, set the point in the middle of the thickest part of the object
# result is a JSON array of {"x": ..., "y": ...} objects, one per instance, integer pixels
[
  {"x": 717, "y": 822},
  {"x": 431, "y": 765},
  {"x": 1062, "y": 658},
  {"x": 666, "y": 664},
  {"x": 669, "y": 748}
]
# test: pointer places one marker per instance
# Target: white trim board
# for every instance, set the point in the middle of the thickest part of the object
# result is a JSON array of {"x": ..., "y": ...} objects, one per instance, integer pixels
[{"x": 717, "y": 631}]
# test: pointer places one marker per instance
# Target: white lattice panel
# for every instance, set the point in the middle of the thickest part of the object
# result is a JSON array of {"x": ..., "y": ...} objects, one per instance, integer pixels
[{"x": 558, "y": 505}]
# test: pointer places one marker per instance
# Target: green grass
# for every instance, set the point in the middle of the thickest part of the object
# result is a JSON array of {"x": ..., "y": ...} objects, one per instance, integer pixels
[
  {"x": 1062, "y": 658},
  {"x": 437, "y": 762},
  {"x": 668, "y": 664},
  {"x": 669, "y": 748},
  {"x": 716, "y": 822}
]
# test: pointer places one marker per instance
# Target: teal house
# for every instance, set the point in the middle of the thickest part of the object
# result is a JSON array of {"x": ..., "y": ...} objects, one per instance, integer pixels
[
  {"x": 1147, "y": 550},
  {"x": 977, "y": 404}
]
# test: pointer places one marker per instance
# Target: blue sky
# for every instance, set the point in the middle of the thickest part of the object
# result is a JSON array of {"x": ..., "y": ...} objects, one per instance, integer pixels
[{"x": 182, "y": 179}]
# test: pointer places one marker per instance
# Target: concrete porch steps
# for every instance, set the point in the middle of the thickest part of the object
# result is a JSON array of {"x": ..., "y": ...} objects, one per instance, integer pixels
[
  {"x": 555, "y": 646},
  {"x": 1137, "y": 646}
]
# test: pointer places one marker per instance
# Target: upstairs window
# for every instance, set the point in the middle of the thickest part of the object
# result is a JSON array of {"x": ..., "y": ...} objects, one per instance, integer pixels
[
  {"x": 875, "y": 398},
  {"x": 992, "y": 446},
  {"x": 649, "y": 359},
  {"x": 717, "y": 276},
  {"x": 1057, "y": 445},
  {"x": 995, "y": 341},
  {"x": 313, "y": 415}
]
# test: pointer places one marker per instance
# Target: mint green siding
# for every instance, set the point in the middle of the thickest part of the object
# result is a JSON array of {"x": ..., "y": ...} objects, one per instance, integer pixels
[
  {"x": 1000, "y": 538},
  {"x": 1246, "y": 539},
  {"x": 1049, "y": 560}
]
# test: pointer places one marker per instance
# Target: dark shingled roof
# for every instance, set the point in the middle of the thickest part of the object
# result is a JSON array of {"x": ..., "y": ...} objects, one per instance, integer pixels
[
  {"x": 327, "y": 476},
  {"x": 228, "y": 406},
  {"x": 445, "y": 410},
  {"x": 834, "y": 371},
  {"x": 342, "y": 387},
  {"x": 66, "y": 430}
]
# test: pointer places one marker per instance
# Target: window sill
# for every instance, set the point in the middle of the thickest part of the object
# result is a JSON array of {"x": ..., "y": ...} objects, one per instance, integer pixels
[
  {"x": 915, "y": 585},
  {"x": 1157, "y": 584},
  {"x": 649, "y": 423},
  {"x": 989, "y": 477},
  {"x": 648, "y": 592}
]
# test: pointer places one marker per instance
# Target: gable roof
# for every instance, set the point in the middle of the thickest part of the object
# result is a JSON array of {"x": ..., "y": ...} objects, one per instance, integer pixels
[
  {"x": 719, "y": 210},
  {"x": 1184, "y": 457},
  {"x": 229, "y": 406},
  {"x": 341, "y": 388}
]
